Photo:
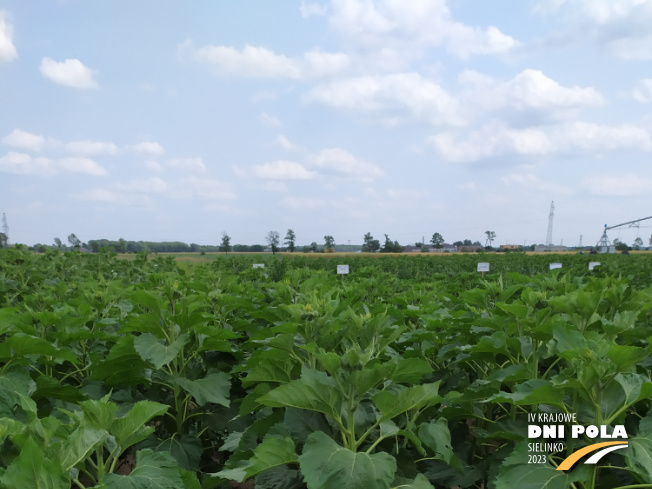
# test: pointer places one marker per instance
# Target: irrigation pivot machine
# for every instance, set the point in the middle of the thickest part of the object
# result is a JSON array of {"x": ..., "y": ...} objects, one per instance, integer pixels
[{"x": 604, "y": 245}]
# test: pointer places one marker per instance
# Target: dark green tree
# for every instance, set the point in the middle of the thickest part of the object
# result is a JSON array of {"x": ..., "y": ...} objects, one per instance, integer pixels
[
  {"x": 329, "y": 242},
  {"x": 273, "y": 240},
  {"x": 437, "y": 240},
  {"x": 313, "y": 246},
  {"x": 391, "y": 246},
  {"x": 74, "y": 241},
  {"x": 225, "y": 245},
  {"x": 290, "y": 240},
  {"x": 370, "y": 245}
]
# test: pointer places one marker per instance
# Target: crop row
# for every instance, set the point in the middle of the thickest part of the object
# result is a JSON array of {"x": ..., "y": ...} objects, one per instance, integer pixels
[{"x": 411, "y": 372}]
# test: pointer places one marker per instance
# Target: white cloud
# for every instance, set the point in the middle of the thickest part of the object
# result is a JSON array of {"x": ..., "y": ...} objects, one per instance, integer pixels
[
  {"x": 205, "y": 188},
  {"x": 343, "y": 164},
  {"x": 91, "y": 148},
  {"x": 411, "y": 25},
  {"x": 392, "y": 99},
  {"x": 268, "y": 120},
  {"x": 7, "y": 49},
  {"x": 97, "y": 195},
  {"x": 532, "y": 182},
  {"x": 81, "y": 165},
  {"x": 310, "y": 9},
  {"x": 285, "y": 143},
  {"x": 495, "y": 139},
  {"x": 622, "y": 26},
  {"x": 617, "y": 185},
  {"x": 153, "y": 165},
  {"x": 282, "y": 170},
  {"x": 150, "y": 185},
  {"x": 24, "y": 140},
  {"x": 24, "y": 164},
  {"x": 303, "y": 203},
  {"x": 261, "y": 62},
  {"x": 194, "y": 165},
  {"x": 71, "y": 73},
  {"x": 275, "y": 186},
  {"x": 643, "y": 93},
  {"x": 148, "y": 147}
]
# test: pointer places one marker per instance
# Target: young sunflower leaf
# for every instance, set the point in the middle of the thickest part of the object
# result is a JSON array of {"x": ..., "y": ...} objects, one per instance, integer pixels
[
  {"x": 150, "y": 349},
  {"x": 32, "y": 470},
  {"x": 154, "y": 470},
  {"x": 272, "y": 452},
  {"x": 325, "y": 464},
  {"x": 212, "y": 388}
]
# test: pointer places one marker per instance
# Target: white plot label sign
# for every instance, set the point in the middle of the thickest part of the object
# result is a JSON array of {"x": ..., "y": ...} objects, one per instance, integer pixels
[
  {"x": 483, "y": 267},
  {"x": 342, "y": 269},
  {"x": 554, "y": 266},
  {"x": 593, "y": 264},
  {"x": 259, "y": 265}
]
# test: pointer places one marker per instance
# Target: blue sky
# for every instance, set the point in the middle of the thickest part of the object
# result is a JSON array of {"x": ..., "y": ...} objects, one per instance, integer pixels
[{"x": 175, "y": 120}]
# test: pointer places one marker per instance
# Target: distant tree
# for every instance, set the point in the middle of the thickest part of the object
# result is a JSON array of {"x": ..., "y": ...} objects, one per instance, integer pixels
[
  {"x": 4, "y": 240},
  {"x": 620, "y": 245},
  {"x": 475, "y": 243},
  {"x": 225, "y": 245},
  {"x": 467, "y": 242},
  {"x": 74, "y": 241},
  {"x": 329, "y": 243},
  {"x": 122, "y": 246},
  {"x": 638, "y": 242},
  {"x": 370, "y": 245},
  {"x": 650, "y": 240},
  {"x": 491, "y": 235},
  {"x": 459, "y": 243},
  {"x": 290, "y": 240},
  {"x": 306, "y": 249},
  {"x": 313, "y": 247},
  {"x": 58, "y": 243},
  {"x": 391, "y": 246},
  {"x": 437, "y": 240},
  {"x": 95, "y": 245},
  {"x": 273, "y": 240}
]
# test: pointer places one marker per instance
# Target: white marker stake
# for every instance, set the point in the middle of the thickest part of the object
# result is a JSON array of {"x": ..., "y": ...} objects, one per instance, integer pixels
[
  {"x": 554, "y": 266},
  {"x": 593, "y": 264},
  {"x": 259, "y": 265},
  {"x": 483, "y": 267},
  {"x": 342, "y": 270}
]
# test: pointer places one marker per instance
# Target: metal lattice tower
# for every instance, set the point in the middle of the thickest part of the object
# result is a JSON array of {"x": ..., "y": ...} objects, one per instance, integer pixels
[
  {"x": 5, "y": 226},
  {"x": 550, "y": 218}
]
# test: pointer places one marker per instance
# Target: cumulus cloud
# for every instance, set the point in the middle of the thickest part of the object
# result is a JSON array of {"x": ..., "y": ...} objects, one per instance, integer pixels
[
  {"x": 268, "y": 120},
  {"x": 304, "y": 203},
  {"x": 24, "y": 140},
  {"x": 285, "y": 143},
  {"x": 81, "y": 165},
  {"x": 205, "y": 188},
  {"x": 261, "y": 62},
  {"x": 282, "y": 170},
  {"x": 70, "y": 73},
  {"x": 496, "y": 139},
  {"x": 532, "y": 182},
  {"x": 149, "y": 148},
  {"x": 7, "y": 49},
  {"x": 391, "y": 99},
  {"x": 621, "y": 26},
  {"x": 643, "y": 93},
  {"x": 97, "y": 195},
  {"x": 193, "y": 165},
  {"x": 91, "y": 148},
  {"x": 24, "y": 164},
  {"x": 149, "y": 185},
  {"x": 341, "y": 163},
  {"x": 409, "y": 25},
  {"x": 617, "y": 185}
]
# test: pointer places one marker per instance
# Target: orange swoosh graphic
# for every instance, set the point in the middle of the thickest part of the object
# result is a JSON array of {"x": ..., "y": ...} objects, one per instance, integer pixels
[{"x": 575, "y": 456}]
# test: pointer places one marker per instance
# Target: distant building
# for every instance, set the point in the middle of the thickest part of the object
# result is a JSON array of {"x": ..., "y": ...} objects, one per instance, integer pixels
[
  {"x": 551, "y": 248},
  {"x": 469, "y": 248},
  {"x": 510, "y": 247}
]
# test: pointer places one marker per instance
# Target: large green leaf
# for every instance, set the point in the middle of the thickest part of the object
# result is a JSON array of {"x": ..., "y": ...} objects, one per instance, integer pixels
[
  {"x": 80, "y": 444},
  {"x": 12, "y": 384},
  {"x": 314, "y": 391},
  {"x": 20, "y": 345},
  {"x": 436, "y": 436},
  {"x": 272, "y": 452},
  {"x": 391, "y": 404},
  {"x": 531, "y": 477},
  {"x": 639, "y": 452},
  {"x": 533, "y": 391},
  {"x": 326, "y": 465},
  {"x": 419, "y": 482},
  {"x": 154, "y": 470},
  {"x": 152, "y": 350},
  {"x": 130, "y": 428},
  {"x": 212, "y": 388},
  {"x": 32, "y": 470}
]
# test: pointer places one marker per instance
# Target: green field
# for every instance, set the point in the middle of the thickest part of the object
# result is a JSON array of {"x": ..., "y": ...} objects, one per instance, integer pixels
[{"x": 411, "y": 371}]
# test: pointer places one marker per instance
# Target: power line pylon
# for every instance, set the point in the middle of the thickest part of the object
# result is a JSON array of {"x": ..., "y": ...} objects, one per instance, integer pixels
[{"x": 550, "y": 218}]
